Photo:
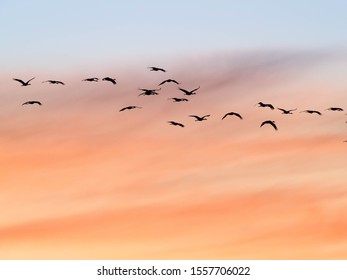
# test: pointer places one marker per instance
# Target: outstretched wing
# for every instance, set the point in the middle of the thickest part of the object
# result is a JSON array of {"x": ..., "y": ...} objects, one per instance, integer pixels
[
  {"x": 19, "y": 80},
  {"x": 184, "y": 90},
  {"x": 195, "y": 89}
]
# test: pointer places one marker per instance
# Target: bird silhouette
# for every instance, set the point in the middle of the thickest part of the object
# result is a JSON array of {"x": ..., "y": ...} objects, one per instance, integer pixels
[
  {"x": 156, "y": 69},
  {"x": 54, "y": 82},
  {"x": 231, "y": 114},
  {"x": 312, "y": 112},
  {"x": 189, "y": 92},
  {"x": 108, "y": 79},
  {"x": 91, "y": 80},
  {"x": 24, "y": 84},
  {"x": 149, "y": 91},
  {"x": 199, "y": 119},
  {"x": 169, "y": 81},
  {"x": 272, "y": 123},
  {"x": 175, "y": 99},
  {"x": 334, "y": 109},
  {"x": 32, "y": 102},
  {"x": 129, "y": 108},
  {"x": 261, "y": 104},
  {"x": 175, "y": 123},
  {"x": 286, "y": 112}
]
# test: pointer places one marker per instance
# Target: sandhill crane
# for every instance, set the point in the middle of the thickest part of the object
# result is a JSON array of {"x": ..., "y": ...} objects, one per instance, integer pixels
[
  {"x": 286, "y": 112},
  {"x": 199, "y": 119},
  {"x": 232, "y": 114},
  {"x": 108, "y": 79},
  {"x": 189, "y": 92},
  {"x": 175, "y": 123},
  {"x": 156, "y": 69},
  {"x": 32, "y": 102},
  {"x": 91, "y": 80},
  {"x": 334, "y": 109},
  {"x": 175, "y": 99},
  {"x": 149, "y": 91},
  {"x": 312, "y": 112},
  {"x": 24, "y": 84},
  {"x": 169, "y": 81},
  {"x": 261, "y": 104},
  {"x": 272, "y": 123},
  {"x": 129, "y": 108},
  {"x": 54, "y": 82}
]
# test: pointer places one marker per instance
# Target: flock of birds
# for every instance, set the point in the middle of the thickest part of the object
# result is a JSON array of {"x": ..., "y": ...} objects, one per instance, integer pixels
[{"x": 148, "y": 92}]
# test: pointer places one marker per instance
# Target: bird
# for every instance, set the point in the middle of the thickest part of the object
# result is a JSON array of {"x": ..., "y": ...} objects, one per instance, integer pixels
[
  {"x": 129, "y": 108},
  {"x": 32, "y": 102},
  {"x": 113, "y": 81},
  {"x": 24, "y": 84},
  {"x": 261, "y": 104},
  {"x": 270, "y": 123},
  {"x": 187, "y": 92},
  {"x": 156, "y": 69},
  {"x": 286, "y": 112},
  {"x": 312, "y": 112},
  {"x": 199, "y": 119},
  {"x": 334, "y": 109},
  {"x": 149, "y": 91},
  {"x": 175, "y": 123},
  {"x": 54, "y": 82},
  {"x": 232, "y": 113},
  {"x": 175, "y": 99},
  {"x": 91, "y": 80},
  {"x": 169, "y": 81}
]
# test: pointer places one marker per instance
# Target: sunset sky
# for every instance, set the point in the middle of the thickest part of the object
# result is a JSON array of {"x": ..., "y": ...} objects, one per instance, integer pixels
[{"x": 81, "y": 180}]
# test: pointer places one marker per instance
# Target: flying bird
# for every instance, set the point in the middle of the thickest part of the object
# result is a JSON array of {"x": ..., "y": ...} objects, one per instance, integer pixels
[
  {"x": 32, "y": 102},
  {"x": 272, "y": 123},
  {"x": 312, "y": 112},
  {"x": 54, "y": 82},
  {"x": 169, "y": 81},
  {"x": 231, "y": 114},
  {"x": 286, "y": 112},
  {"x": 156, "y": 69},
  {"x": 149, "y": 91},
  {"x": 175, "y": 123},
  {"x": 175, "y": 99},
  {"x": 334, "y": 109},
  {"x": 91, "y": 80},
  {"x": 108, "y": 79},
  {"x": 261, "y": 104},
  {"x": 199, "y": 119},
  {"x": 129, "y": 108},
  {"x": 189, "y": 92},
  {"x": 24, "y": 84}
]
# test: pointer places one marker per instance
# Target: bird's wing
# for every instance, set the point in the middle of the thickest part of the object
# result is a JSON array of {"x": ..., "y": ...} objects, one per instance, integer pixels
[
  {"x": 283, "y": 110},
  {"x": 272, "y": 107},
  {"x": 206, "y": 116},
  {"x": 274, "y": 126},
  {"x": 227, "y": 114},
  {"x": 30, "y": 80},
  {"x": 163, "y": 82},
  {"x": 237, "y": 115},
  {"x": 19, "y": 80},
  {"x": 195, "y": 89},
  {"x": 293, "y": 109},
  {"x": 194, "y": 116},
  {"x": 184, "y": 90}
]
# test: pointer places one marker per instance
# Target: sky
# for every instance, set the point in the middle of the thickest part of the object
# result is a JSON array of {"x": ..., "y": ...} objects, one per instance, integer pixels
[{"x": 81, "y": 180}]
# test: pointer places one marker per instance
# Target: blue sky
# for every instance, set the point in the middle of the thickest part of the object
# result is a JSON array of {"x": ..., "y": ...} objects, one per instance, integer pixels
[{"x": 65, "y": 33}]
